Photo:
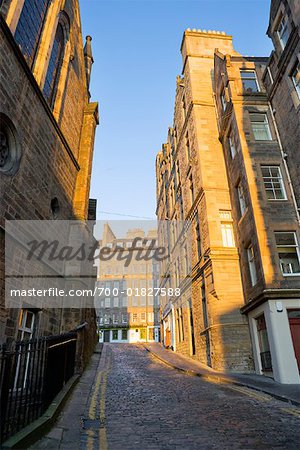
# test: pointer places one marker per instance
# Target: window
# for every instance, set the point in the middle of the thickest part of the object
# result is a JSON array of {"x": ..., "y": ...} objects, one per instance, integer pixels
[
  {"x": 260, "y": 127},
  {"x": 265, "y": 354},
  {"x": 106, "y": 319},
  {"x": 251, "y": 263},
  {"x": 115, "y": 318},
  {"x": 124, "y": 318},
  {"x": 54, "y": 67},
  {"x": 227, "y": 234},
  {"x": 249, "y": 81},
  {"x": 273, "y": 182},
  {"x": 288, "y": 252},
  {"x": 223, "y": 100},
  {"x": 187, "y": 146},
  {"x": 116, "y": 302},
  {"x": 242, "y": 200},
  {"x": 180, "y": 325},
  {"x": 151, "y": 317},
  {"x": 192, "y": 195},
  {"x": 296, "y": 79},
  {"x": 143, "y": 317},
  {"x": 26, "y": 324},
  {"x": 124, "y": 335},
  {"x": 232, "y": 147},
  {"x": 134, "y": 317},
  {"x": 25, "y": 333},
  {"x": 198, "y": 237},
  {"x": 184, "y": 106},
  {"x": 107, "y": 302},
  {"x": 115, "y": 335},
  {"x": 283, "y": 31},
  {"x": 29, "y": 27}
]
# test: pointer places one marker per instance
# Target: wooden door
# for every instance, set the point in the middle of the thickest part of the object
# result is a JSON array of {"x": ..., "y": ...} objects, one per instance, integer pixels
[{"x": 294, "y": 321}]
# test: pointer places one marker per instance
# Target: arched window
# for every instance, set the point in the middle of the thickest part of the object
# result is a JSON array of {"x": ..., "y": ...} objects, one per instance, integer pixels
[
  {"x": 54, "y": 67},
  {"x": 29, "y": 27}
]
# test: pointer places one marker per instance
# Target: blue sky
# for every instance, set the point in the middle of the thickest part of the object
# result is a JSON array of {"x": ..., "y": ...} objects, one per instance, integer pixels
[{"x": 136, "y": 48}]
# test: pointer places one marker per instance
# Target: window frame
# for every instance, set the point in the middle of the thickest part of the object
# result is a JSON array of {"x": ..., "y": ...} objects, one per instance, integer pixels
[
  {"x": 232, "y": 145},
  {"x": 22, "y": 324},
  {"x": 283, "y": 18},
  {"x": 296, "y": 84},
  {"x": 223, "y": 99},
  {"x": 31, "y": 59},
  {"x": 113, "y": 334},
  {"x": 241, "y": 198},
  {"x": 296, "y": 246},
  {"x": 265, "y": 122},
  {"x": 253, "y": 71},
  {"x": 280, "y": 181},
  {"x": 252, "y": 265},
  {"x": 122, "y": 335},
  {"x": 65, "y": 24}
]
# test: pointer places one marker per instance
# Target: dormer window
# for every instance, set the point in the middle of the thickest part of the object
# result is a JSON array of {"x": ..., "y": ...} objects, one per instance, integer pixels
[{"x": 283, "y": 31}]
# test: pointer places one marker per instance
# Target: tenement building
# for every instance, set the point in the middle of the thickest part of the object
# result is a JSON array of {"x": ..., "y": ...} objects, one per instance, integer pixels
[
  {"x": 230, "y": 170},
  {"x": 265, "y": 183},
  {"x": 205, "y": 321},
  {"x": 126, "y": 297},
  {"x": 47, "y": 128}
]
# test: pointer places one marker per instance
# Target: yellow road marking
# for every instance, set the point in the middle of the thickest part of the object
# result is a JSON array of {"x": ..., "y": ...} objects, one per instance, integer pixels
[
  {"x": 90, "y": 439},
  {"x": 102, "y": 429},
  {"x": 293, "y": 411},
  {"x": 257, "y": 396},
  {"x": 92, "y": 408}
]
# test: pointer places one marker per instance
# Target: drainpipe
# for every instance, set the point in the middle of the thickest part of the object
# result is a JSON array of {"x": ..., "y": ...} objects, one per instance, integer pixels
[
  {"x": 283, "y": 156},
  {"x": 173, "y": 330}
]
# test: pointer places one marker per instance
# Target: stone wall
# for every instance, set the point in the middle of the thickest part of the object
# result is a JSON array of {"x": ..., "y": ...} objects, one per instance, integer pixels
[{"x": 55, "y": 148}]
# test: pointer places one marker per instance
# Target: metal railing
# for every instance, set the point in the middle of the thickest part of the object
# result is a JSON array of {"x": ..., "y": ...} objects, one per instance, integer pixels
[{"x": 32, "y": 373}]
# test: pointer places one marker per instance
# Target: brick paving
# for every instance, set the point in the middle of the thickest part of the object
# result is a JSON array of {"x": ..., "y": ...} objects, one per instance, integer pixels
[{"x": 139, "y": 403}]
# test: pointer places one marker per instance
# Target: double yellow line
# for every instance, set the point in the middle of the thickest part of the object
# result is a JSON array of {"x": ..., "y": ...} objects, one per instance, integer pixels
[
  {"x": 264, "y": 398},
  {"x": 97, "y": 408}
]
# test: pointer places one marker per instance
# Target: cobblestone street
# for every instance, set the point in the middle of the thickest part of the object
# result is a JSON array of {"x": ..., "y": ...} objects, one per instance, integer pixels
[
  {"x": 151, "y": 406},
  {"x": 132, "y": 401}
]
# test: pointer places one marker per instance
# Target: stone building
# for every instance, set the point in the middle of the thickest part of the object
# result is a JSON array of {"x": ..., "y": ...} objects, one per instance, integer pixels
[
  {"x": 259, "y": 129},
  {"x": 205, "y": 321},
  {"x": 47, "y": 136},
  {"x": 127, "y": 307},
  {"x": 282, "y": 81},
  {"x": 245, "y": 196}
]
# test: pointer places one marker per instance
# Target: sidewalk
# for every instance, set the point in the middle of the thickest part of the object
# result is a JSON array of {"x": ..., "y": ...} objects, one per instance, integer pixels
[
  {"x": 68, "y": 432},
  {"x": 286, "y": 392}
]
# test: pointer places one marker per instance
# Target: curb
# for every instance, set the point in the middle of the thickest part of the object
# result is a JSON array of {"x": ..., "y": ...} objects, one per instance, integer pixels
[
  {"x": 224, "y": 379},
  {"x": 36, "y": 429}
]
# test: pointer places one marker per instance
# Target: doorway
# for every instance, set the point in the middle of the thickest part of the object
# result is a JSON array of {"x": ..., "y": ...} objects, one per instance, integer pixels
[
  {"x": 106, "y": 335},
  {"x": 294, "y": 321}
]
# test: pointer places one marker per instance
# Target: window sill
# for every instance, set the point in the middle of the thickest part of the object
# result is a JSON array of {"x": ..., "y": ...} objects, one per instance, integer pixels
[{"x": 291, "y": 274}]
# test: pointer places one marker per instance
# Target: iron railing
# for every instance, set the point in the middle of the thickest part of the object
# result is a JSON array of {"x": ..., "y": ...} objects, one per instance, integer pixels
[{"x": 32, "y": 373}]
